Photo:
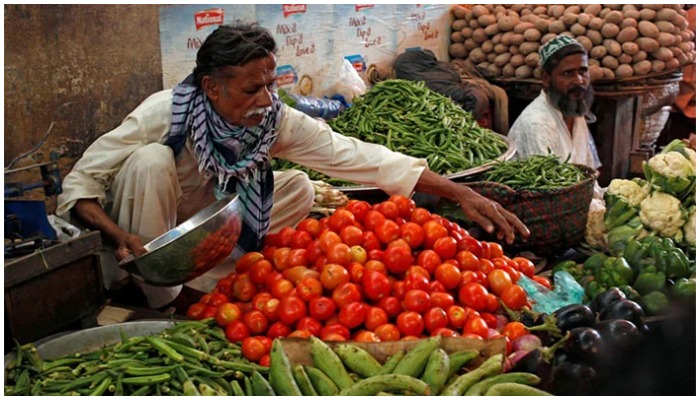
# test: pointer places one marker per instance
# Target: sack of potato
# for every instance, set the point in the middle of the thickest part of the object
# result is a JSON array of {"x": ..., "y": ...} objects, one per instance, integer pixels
[{"x": 622, "y": 40}]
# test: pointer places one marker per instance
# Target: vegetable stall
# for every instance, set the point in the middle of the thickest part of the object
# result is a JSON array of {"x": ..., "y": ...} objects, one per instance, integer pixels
[{"x": 377, "y": 294}]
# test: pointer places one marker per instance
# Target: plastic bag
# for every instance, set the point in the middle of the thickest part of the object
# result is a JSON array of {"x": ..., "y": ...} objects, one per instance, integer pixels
[
  {"x": 347, "y": 82},
  {"x": 566, "y": 291},
  {"x": 313, "y": 106},
  {"x": 64, "y": 230}
]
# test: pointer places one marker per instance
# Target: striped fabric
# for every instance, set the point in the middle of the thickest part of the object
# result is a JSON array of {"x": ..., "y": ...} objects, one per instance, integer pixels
[{"x": 237, "y": 155}]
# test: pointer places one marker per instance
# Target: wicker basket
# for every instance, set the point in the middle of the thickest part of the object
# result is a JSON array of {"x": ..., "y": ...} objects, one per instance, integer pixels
[{"x": 556, "y": 218}]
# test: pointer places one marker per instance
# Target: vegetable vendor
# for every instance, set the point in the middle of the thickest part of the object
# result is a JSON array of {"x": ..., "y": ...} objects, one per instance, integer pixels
[
  {"x": 215, "y": 134},
  {"x": 556, "y": 119}
]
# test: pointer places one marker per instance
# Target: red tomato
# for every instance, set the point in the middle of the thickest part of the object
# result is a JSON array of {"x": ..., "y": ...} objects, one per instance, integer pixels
[
  {"x": 356, "y": 271},
  {"x": 310, "y": 225},
  {"x": 417, "y": 281},
  {"x": 217, "y": 299},
  {"x": 309, "y": 288},
  {"x": 351, "y": 235},
  {"x": 301, "y": 239},
  {"x": 417, "y": 300},
  {"x": 375, "y": 317},
  {"x": 264, "y": 361},
  {"x": 322, "y": 308},
  {"x": 271, "y": 279},
  {"x": 278, "y": 329},
  {"x": 429, "y": 260},
  {"x": 247, "y": 260},
  {"x": 375, "y": 254},
  {"x": 436, "y": 286},
  {"x": 446, "y": 247},
  {"x": 310, "y": 324},
  {"x": 253, "y": 349},
  {"x": 543, "y": 281},
  {"x": 366, "y": 336},
  {"x": 227, "y": 313},
  {"x": 471, "y": 245},
  {"x": 359, "y": 209},
  {"x": 442, "y": 300},
  {"x": 525, "y": 266},
  {"x": 298, "y": 257},
  {"x": 327, "y": 238},
  {"x": 398, "y": 289},
  {"x": 375, "y": 265},
  {"x": 337, "y": 329},
  {"x": 410, "y": 323},
  {"x": 397, "y": 259},
  {"x": 387, "y": 333},
  {"x": 300, "y": 333},
  {"x": 270, "y": 309},
  {"x": 398, "y": 242},
  {"x": 433, "y": 231},
  {"x": 259, "y": 271},
  {"x": 195, "y": 310},
  {"x": 491, "y": 303},
  {"x": 514, "y": 330},
  {"x": 514, "y": 297},
  {"x": 389, "y": 209},
  {"x": 280, "y": 258},
  {"x": 387, "y": 231},
  {"x": 340, "y": 219},
  {"x": 435, "y": 318},
  {"x": 285, "y": 236},
  {"x": 473, "y": 295},
  {"x": 313, "y": 251},
  {"x": 346, "y": 293},
  {"x": 420, "y": 216},
  {"x": 456, "y": 317},
  {"x": 353, "y": 314},
  {"x": 224, "y": 285},
  {"x": 495, "y": 250},
  {"x": 281, "y": 288},
  {"x": 415, "y": 269},
  {"x": 375, "y": 285},
  {"x": 291, "y": 309},
  {"x": 498, "y": 281},
  {"x": 467, "y": 261},
  {"x": 391, "y": 305},
  {"x": 513, "y": 273},
  {"x": 444, "y": 332},
  {"x": 490, "y": 319},
  {"x": 370, "y": 241},
  {"x": 449, "y": 275},
  {"x": 372, "y": 220},
  {"x": 413, "y": 234},
  {"x": 236, "y": 331},
  {"x": 477, "y": 326},
  {"x": 333, "y": 275},
  {"x": 339, "y": 253},
  {"x": 256, "y": 322},
  {"x": 404, "y": 204},
  {"x": 486, "y": 266}
]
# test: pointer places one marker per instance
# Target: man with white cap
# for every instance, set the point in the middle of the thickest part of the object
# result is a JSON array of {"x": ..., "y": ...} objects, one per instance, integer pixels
[{"x": 555, "y": 121}]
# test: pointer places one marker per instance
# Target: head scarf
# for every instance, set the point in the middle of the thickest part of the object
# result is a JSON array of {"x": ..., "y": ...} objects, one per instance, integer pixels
[{"x": 238, "y": 156}]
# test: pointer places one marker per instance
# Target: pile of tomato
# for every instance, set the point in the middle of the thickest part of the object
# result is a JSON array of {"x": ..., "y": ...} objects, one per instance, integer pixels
[{"x": 383, "y": 272}]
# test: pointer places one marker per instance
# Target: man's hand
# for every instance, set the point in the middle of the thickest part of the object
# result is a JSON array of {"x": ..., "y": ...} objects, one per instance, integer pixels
[
  {"x": 488, "y": 213},
  {"x": 129, "y": 244}
]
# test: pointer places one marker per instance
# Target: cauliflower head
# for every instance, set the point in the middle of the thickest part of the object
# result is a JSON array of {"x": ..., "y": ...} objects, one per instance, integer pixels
[
  {"x": 689, "y": 229},
  {"x": 595, "y": 225},
  {"x": 671, "y": 164},
  {"x": 691, "y": 157},
  {"x": 629, "y": 190},
  {"x": 662, "y": 213}
]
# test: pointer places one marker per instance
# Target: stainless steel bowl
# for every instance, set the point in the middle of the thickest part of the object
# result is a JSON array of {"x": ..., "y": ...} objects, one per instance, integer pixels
[{"x": 190, "y": 249}]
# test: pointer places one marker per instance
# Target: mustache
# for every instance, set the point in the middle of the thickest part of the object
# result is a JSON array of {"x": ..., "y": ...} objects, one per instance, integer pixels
[
  {"x": 577, "y": 89},
  {"x": 257, "y": 111}
]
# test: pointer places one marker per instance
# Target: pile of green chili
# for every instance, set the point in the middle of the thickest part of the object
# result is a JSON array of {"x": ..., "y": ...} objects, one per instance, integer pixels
[
  {"x": 409, "y": 118},
  {"x": 538, "y": 172}
]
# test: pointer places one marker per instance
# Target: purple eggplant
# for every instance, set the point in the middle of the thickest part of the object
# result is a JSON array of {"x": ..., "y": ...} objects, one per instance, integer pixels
[
  {"x": 573, "y": 379},
  {"x": 574, "y": 316},
  {"x": 606, "y": 298},
  {"x": 627, "y": 310},
  {"x": 585, "y": 345}
]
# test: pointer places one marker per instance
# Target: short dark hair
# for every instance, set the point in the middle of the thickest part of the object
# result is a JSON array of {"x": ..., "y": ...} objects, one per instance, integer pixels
[
  {"x": 556, "y": 58},
  {"x": 231, "y": 46}
]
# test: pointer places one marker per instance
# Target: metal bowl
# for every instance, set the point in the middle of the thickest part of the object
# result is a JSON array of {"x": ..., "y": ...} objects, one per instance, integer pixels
[{"x": 190, "y": 249}]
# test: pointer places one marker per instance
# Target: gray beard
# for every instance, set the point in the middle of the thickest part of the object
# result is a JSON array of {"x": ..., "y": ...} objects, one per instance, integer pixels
[{"x": 568, "y": 107}]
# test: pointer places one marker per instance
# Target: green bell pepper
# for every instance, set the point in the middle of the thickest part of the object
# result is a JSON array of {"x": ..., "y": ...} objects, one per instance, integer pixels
[
  {"x": 594, "y": 288},
  {"x": 634, "y": 254},
  {"x": 655, "y": 303},
  {"x": 648, "y": 282},
  {"x": 683, "y": 288},
  {"x": 630, "y": 293},
  {"x": 569, "y": 266},
  {"x": 615, "y": 272},
  {"x": 677, "y": 264},
  {"x": 594, "y": 262}
]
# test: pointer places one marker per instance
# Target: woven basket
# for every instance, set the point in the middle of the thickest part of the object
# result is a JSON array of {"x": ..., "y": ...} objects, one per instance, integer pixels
[{"x": 556, "y": 218}]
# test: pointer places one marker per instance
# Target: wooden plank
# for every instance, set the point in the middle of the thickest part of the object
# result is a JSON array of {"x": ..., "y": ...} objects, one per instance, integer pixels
[
  {"x": 613, "y": 136},
  {"x": 24, "y": 268}
]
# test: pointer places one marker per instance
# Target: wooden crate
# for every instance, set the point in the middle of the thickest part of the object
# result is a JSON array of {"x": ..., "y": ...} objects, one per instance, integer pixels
[{"x": 53, "y": 290}]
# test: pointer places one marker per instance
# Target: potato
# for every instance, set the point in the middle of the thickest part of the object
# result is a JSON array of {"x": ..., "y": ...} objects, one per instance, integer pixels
[
  {"x": 610, "y": 30},
  {"x": 514, "y": 49},
  {"x": 665, "y": 26},
  {"x": 532, "y": 60},
  {"x": 628, "y": 23},
  {"x": 672, "y": 63},
  {"x": 487, "y": 47},
  {"x": 685, "y": 36},
  {"x": 556, "y": 11},
  {"x": 608, "y": 73},
  {"x": 658, "y": 65},
  {"x": 523, "y": 26},
  {"x": 459, "y": 11},
  {"x": 683, "y": 58},
  {"x": 598, "y": 52},
  {"x": 489, "y": 7},
  {"x": 614, "y": 17},
  {"x": 506, "y": 24},
  {"x": 540, "y": 10},
  {"x": 613, "y": 47},
  {"x": 557, "y": 27},
  {"x": 537, "y": 73},
  {"x": 630, "y": 48},
  {"x": 474, "y": 24},
  {"x": 483, "y": 67},
  {"x": 592, "y": 9},
  {"x": 686, "y": 47},
  {"x": 663, "y": 54},
  {"x": 569, "y": 18},
  {"x": 499, "y": 9},
  {"x": 500, "y": 48},
  {"x": 595, "y": 72},
  {"x": 609, "y": 62},
  {"x": 486, "y": 20},
  {"x": 470, "y": 44},
  {"x": 477, "y": 55},
  {"x": 457, "y": 50},
  {"x": 681, "y": 22},
  {"x": 596, "y": 24},
  {"x": 647, "y": 44},
  {"x": 628, "y": 7},
  {"x": 517, "y": 39},
  {"x": 648, "y": 29},
  {"x": 496, "y": 39},
  {"x": 666, "y": 14},
  {"x": 655, "y": 7},
  {"x": 491, "y": 57},
  {"x": 517, "y": 60},
  {"x": 627, "y": 35},
  {"x": 624, "y": 59},
  {"x": 647, "y": 14},
  {"x": 585, "y": 42},
  {"x": 459, "y": 24},
  {"x": 502, "y": 59},
  {"x": 480, "y": 35},
  {"x": 525, "y": 11},
  {"x": 666, "y": 39},
  {"x": 532, "y": 35},
  {"x": 456, "y": 37},
  {"x": 592, "y": 61},
  {"x": 479, "y": 10},
  {"x": 529, "y": 47},
  {"x": 641, "y": 55},
  {"x": 491, "y": 29},
  {"x": 547, "y": 37},
  {"x": 542, "y": 25},
  {"x": 642, "y": 68},
  {"x": 676, "y": 51},
  {"x": 616, "y": 7},
  {"x": 584, "y": 19},
  {"x": 467, "y": 32},
  {"x": 604, "y": 12},
  {"x": 530, "y": 18},
  {"x": 523, "y": 72},
  {"x": 677, "y": 39},
  {"x": 578, "y": 29},
  {"x": 595, "y": 36},
  {"x": 568, "y": 33},
  {"x": 508, "y": 71},
  {"x": 518, "y": 7},
  {"x": 634, "y": 14},
  {"x": 624, "y": 71}
]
